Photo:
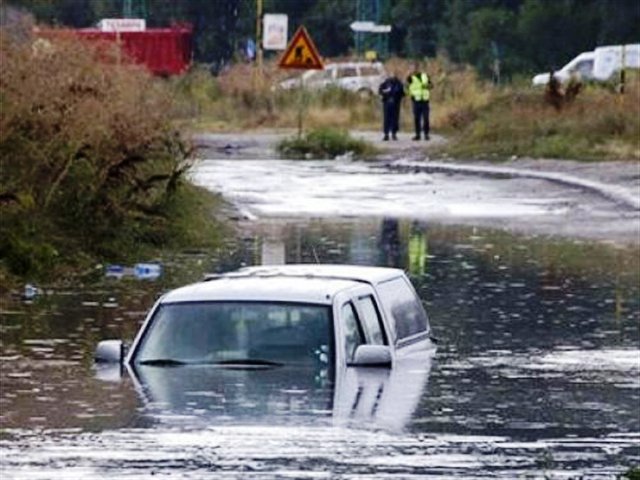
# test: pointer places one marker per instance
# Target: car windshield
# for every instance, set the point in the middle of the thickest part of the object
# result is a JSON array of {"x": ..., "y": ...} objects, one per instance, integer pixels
[{"x": 249, "y": 333}]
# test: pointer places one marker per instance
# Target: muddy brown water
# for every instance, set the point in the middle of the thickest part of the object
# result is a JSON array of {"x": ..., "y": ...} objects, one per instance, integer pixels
[{"x": 537, "y": 372}]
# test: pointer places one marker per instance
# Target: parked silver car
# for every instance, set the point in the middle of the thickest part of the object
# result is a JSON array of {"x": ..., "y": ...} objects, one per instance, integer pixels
[
  {"x": 361, "y": 77},
  {"x": 261, "y": 317}
]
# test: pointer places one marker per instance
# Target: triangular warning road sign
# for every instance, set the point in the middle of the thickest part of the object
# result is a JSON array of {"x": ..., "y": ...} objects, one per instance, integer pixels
[{"x": 301, "y": 53}]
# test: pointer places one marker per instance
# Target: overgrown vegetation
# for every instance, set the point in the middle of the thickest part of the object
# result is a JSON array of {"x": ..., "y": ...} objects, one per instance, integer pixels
[
  {"x": 92, "y": 166},
  {"x": 324, "y": 143},
  {"x": 596, "y": 123},
  {"x": 238, "y": 100},
  {"x": 576, "y": 121},
  {"x": 92, "y": 163}
]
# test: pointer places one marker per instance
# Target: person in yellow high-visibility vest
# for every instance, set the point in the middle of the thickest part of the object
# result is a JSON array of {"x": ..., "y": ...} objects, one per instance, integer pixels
[{"x": 419, "y": 86}]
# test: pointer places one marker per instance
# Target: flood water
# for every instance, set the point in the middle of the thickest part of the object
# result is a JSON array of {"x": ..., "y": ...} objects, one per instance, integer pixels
[{"x": 537, "y": 372}]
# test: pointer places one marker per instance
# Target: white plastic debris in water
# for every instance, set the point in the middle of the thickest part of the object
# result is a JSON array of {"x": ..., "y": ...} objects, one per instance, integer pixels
[
  {"x": 115, "y": 271},
  {"x": 141, "y": 271},
  {"x": 30, "y": 292},
  {"x": 147, "y": 271}
]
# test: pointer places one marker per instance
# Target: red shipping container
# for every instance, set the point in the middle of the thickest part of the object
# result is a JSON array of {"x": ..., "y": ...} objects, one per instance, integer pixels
[{"x": 164, "y": 51}]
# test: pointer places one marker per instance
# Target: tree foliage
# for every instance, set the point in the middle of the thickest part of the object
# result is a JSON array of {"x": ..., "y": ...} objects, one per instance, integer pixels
[{"x": 525, "y": 35}]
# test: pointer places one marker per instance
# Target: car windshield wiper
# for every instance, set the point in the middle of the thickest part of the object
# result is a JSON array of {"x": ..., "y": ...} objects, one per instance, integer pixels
[
  {"x": 240, "y": 362},
  {"x": 162, "y": 362},
  {"x": 257, "y": 362}
]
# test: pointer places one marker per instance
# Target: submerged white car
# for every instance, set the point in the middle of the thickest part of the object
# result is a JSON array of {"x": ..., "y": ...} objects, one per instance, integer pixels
[
  {"x": 361, "y": 77},
  {"x": 263, "y": 317}
]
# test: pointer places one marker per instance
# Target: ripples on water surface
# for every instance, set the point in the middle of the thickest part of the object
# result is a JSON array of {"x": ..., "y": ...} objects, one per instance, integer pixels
[{"x": 536, "y": 374}]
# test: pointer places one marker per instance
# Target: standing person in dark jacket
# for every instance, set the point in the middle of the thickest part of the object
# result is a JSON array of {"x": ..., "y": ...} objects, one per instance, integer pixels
[
  {"x": 391, "y": 91},
  {"x": 419, "y": 86}
]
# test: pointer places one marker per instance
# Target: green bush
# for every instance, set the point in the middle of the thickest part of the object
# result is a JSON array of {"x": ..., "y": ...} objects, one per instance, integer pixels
[{"x": 324, "y": 143}]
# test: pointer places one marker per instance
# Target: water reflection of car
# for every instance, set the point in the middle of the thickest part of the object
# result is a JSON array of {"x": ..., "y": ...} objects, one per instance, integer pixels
[
  {"x": 303, "y": 395},
  {"x": 342, "y": 335},
  {"x": 361, "y": 77}
]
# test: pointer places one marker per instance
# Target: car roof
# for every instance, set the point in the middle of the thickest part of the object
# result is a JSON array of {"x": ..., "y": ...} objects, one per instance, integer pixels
[
  {"x": 284, "y": 283},
  {"x": 359, "y": 64},
  {"x": 358, "y": 273},
  {"x": 377, "y": 65}
]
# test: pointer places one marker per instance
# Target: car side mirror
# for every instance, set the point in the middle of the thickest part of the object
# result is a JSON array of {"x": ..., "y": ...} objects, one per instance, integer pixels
[
  {"x": 110, "y": 351},
  {"x": 371, "y": 356}
]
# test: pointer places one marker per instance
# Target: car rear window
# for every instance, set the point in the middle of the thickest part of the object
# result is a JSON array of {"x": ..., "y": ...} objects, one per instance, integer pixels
[
  {"x": 347, "y": 72},
  {"x": 319, "y": 75},
  {"x": 402, "y": 307},
  {"x": 370, "y": 71}
]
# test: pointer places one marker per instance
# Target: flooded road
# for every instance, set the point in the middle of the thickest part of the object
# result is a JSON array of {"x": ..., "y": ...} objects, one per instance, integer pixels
[
  {"x": 560, "y": 198},
  {"x": 537, "y": 373}
]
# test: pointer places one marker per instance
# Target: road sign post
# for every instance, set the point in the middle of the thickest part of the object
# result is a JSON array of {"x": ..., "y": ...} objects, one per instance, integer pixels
[{"x": 301, "y": 54}]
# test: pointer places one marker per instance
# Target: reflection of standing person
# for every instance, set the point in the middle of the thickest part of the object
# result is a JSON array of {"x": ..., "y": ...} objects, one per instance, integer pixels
[
  {"x": 391, "y": 91},
  {"x": 419, "y": 85},
  {"x": 417, "y": 250},
  {"x": 389, "y": 243}
]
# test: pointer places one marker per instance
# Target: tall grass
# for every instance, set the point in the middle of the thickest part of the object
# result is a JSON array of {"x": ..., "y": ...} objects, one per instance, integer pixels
[
  {"x": 598, "y": 124},
  {"x": 240, "y": 99}
]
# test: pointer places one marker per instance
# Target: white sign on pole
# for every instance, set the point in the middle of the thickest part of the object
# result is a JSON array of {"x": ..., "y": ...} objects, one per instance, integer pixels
[
  {"x": 369, "y": 27},
  {"x": 274, "y": 30},
  {"x": 122, "y": 25}
]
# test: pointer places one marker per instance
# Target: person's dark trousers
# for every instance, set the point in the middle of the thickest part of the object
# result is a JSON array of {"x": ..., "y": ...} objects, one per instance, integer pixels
[
  {"x": 390, "y": 120},
  {"x": 395, "y": 125},
  {"x": 421, "y": 117}
]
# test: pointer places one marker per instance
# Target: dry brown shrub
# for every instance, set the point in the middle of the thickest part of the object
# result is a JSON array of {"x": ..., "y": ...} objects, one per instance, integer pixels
[
  {"x": 86, "y": 143},
  {"x": 61, "y": 104}
]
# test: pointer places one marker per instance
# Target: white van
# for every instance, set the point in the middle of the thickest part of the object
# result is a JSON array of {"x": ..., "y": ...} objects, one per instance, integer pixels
[
  {"x": 608, "y": 60},
  {"x": 599, "y": 65}
]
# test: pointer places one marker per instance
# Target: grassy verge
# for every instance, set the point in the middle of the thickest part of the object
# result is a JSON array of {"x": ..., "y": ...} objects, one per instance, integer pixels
[
  {"x": 483, "y": 120},
  {"x": 598, "y": 124},
  {"x": 325, "y": 143}
]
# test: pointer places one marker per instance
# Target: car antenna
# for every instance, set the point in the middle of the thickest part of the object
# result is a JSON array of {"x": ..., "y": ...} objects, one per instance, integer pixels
[{"x": 315, "y": 255}]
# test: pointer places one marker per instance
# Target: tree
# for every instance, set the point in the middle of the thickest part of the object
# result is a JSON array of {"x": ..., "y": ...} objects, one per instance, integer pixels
[
  {"x": 418, "y": 20},
  {"x": 552, "y": 33},
  {"x": 328, "y": 22}
]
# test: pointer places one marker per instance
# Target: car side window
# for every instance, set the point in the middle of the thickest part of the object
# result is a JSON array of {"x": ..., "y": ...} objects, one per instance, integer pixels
[
  {"x": 322, "y": 75},
  {"x": 353, "y": 335},
  {"x": 370, "y": 71},
  {"x": 372, "y": 324},
  {"x": 347, "y": 72},
  {"x": 584, "y": 68},
  {"x": 403, "y": 308}
]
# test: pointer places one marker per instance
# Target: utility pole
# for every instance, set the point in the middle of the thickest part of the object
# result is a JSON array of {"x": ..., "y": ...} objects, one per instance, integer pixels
[
  {"x": 134, "y": 9},
  {"x": 258, "y": 67},
  {"x": 375, "y": 11}
]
